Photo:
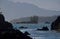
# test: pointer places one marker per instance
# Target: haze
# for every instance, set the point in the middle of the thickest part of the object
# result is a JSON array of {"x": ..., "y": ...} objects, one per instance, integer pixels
[{"x": 13, "y": 9}]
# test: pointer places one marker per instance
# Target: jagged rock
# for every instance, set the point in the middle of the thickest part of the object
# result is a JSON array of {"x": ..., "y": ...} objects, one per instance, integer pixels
[
  {"x": 7, "y": 31},
  {"x": 56, "y": 24},
  {"x": 22, "y": 27},
  {"x": 44, "y": 29},
  {"x": 26, "y": 33},
  {"x": 14, "y": 34}
]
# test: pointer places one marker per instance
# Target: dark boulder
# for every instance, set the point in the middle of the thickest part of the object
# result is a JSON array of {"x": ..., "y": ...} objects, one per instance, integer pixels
[
  {"x": 56, "y": 24},
  {"x": 8, "y": 32},
  {"x": 22, "y": 27},
  {"x": 26, "y": 33},
  {"x": 14, "y": 34},
  {"x": 44, "y": 29}
]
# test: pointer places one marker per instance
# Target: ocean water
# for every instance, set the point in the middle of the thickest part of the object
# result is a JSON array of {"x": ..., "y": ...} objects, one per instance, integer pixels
[{"x": 35, "y": 34}]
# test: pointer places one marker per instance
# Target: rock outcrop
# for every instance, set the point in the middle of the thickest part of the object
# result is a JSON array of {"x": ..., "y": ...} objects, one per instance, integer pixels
[
  {"x": 27, "y": 33},
  {"x": 44, "y": 29},
  {"x": 7, "y": 31},
  {"x": 56, "y": 24}
]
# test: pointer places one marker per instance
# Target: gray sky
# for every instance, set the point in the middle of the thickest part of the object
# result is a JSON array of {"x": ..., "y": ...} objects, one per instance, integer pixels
[
  {"x": 13, "y": 9},
  {"x": 47, "y": 4}
]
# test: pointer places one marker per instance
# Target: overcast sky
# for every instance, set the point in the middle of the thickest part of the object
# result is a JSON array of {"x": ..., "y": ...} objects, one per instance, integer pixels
[
  {"x": 14, "y": 8},
  {"x": 47, "y": 4}
]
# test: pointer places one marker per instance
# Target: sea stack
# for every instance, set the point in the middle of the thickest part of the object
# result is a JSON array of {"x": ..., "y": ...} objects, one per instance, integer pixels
[{"x": 56, "y": 24}]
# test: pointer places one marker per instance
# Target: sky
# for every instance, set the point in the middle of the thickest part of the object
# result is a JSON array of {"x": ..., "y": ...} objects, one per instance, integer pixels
[
  {"x": 13, "y": 9},
  {"x": 47, "y": 4}
]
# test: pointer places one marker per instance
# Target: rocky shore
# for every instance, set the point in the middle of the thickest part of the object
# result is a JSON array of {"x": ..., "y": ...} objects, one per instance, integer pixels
[
  {"x": 7, "y": 31},
  {"x": 56, "y": 24}
]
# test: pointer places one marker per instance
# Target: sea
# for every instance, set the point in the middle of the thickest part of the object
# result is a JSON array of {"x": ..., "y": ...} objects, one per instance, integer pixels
[{"x": 37, "y": 34}]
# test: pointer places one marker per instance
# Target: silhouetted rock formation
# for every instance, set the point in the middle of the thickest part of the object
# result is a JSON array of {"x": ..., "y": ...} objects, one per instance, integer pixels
[
  {"x": 56, "y": 24},
  {"x": 22, "y": 27},
  {"x": 47, "y": 22},
  {"x": 7, "y": 31},
  {"x": 44, "y": 29},
  {"x": 26, "y": 33}
]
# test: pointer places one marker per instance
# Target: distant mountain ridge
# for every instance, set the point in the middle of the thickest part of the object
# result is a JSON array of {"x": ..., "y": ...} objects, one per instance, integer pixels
[
  {"x": 15, "y": 10},
  {"x": 40, "y": 19}
]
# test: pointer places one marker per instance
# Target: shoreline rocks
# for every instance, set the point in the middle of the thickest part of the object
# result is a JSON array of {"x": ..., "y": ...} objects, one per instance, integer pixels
[
  {"x": 43, "y": 29},
  {"x": 22, "y": 27},
  {"x": 8, "y": 32},
  {"x": 56, "y": 24}
]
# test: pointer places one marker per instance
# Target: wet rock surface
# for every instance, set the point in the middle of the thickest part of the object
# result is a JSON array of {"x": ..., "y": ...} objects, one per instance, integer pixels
[
  {"x": 7, "y": 31},
  {"x": 56, "y": 24},
  {"x": 44, "y": 29}
]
